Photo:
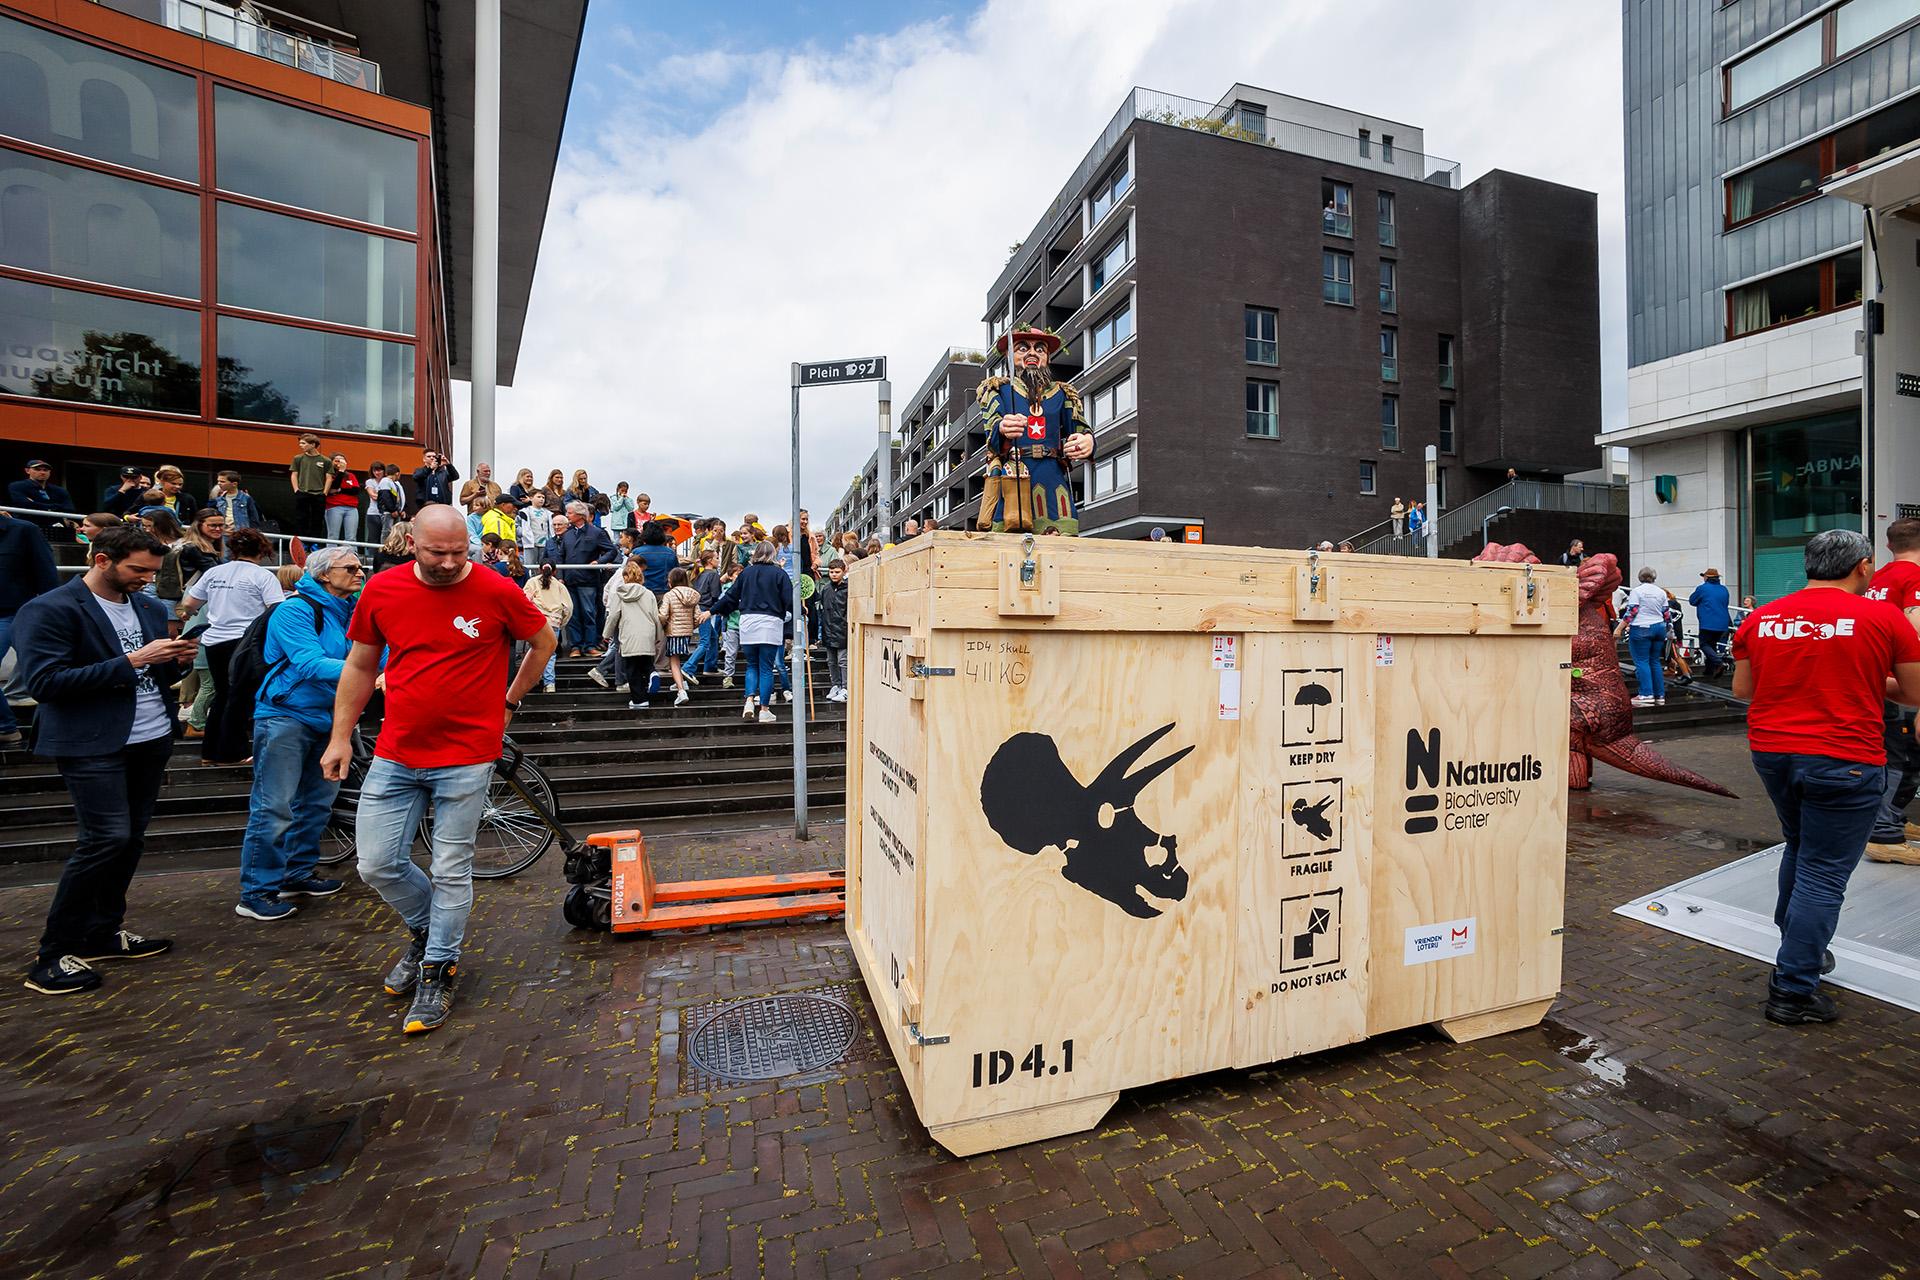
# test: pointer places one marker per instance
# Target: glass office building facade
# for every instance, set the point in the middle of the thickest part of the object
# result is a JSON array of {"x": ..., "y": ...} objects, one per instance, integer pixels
[{"x": 182, "y": 245}]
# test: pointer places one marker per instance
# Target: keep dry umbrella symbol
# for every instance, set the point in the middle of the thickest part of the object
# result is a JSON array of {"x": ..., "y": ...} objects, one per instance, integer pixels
[{"x": 1312, "y": 696}]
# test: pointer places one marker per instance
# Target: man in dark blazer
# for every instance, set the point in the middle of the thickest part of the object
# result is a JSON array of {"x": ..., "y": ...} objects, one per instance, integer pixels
[{"x": 95, "y": 654}]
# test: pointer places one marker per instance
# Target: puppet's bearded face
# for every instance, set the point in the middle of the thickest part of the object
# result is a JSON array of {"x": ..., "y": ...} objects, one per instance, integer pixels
[{"x": 1029, "y": 355}]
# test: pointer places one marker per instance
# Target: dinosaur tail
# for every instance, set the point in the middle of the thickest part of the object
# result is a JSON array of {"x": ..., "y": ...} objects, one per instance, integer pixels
[{"x": 1635, "y": 756}]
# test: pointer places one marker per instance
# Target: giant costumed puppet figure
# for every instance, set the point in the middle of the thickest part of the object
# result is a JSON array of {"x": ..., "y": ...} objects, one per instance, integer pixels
[{"x": 1036, "y": 432}]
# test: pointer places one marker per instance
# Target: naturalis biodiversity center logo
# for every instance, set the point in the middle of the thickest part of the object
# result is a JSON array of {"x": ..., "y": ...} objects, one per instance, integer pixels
[{"x": 1473, "y": 788}]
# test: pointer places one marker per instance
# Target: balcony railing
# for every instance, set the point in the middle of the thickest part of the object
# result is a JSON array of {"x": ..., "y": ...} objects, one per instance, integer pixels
[
  {"x": 1522, "y": 495},
  {"x": 249, "y": 29}
]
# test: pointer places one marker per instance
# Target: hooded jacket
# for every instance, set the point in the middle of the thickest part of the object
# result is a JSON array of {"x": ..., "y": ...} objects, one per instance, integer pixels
[
  {"x": 304, "y": 664},
  {"x": 554, "y": 601},
  {"x": 634, "y": 620}
]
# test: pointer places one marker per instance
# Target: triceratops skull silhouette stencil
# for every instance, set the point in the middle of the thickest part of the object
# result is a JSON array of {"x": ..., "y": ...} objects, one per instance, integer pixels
[{"x": 1034, "y": 802}]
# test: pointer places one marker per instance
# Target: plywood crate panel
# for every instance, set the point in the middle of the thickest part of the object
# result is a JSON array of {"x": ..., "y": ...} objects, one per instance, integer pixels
[{"x": 1131, "y": 812}]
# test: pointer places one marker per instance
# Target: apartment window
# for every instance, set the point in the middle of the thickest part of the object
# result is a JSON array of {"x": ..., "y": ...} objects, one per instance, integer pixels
[
  {"x": 1111, "y": 260},
  {"x": 1114, "y": 473},
  {"x": 1115, "y": 400},
  {"x": 1251, "y": 118},
  {"x": 1336, "y": 213},
  {"x": 1838, "y": 33},
  {"x": 1786, "y": 179},
  {"x": 1386, "y": 147},
  {"x": 1389, "y": 422},
  {"x": 1112, "y": 331},
  {"x": 1797, "y": 175},
  {"x": 1336, "y": 272},
  {"x": 1366, "y": 145},
  {"x": 1440, "y": 489},
  {"x": 1798, "y": 293},
  {"x": 1385, "y": 204},
  {"x": 1263, "y": 409},
  {"x": 1369, "y": 480},
  {"x": 1446, "y": 427},
  {"x": 1446, "y": 362},
  {"x": 1389, "y": 355},
  {"x": 1111, "y": 188},
  {"x": 1389, "y": 293},
  {"x": 1263, "y": 336},
  {"x": 1786, "y": 59}
]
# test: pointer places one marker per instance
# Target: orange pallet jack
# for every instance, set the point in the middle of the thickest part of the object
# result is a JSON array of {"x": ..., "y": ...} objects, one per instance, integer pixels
[
  {"x": 611, "y": 887},
  {"x": 640, "y": 904}
]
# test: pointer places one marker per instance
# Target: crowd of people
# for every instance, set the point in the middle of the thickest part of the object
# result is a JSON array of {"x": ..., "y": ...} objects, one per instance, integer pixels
[{"x": 183, "y": 626}]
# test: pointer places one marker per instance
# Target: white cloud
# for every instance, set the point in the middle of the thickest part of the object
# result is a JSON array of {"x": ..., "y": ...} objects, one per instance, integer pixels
[{"x": 860, "y": 200}]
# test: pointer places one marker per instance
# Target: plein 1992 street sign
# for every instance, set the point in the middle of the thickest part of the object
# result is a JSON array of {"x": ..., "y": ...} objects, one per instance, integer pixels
[{"x": 862, "y": 369}]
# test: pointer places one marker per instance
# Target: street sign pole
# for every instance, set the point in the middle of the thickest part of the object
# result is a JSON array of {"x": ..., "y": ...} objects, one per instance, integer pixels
[
  {"x": 830, "y": 373},
  {"x": 800, "y": 658}
]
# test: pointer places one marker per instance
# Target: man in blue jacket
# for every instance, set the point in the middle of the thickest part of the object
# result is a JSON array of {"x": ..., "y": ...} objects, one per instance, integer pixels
[
  {"x": 1709, "y": 601},
  {"x": 97, "y": 656},
  {"x": 292, "y": 720},
  {"x": 582, "y": 542}
]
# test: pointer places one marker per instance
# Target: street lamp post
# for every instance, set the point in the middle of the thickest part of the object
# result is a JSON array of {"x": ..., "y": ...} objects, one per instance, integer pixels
[{"x": 1485, "y": 525}]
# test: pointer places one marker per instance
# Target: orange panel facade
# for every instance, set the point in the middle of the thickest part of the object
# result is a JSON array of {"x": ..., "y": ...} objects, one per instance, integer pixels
[{"x": 266, "y": 294}]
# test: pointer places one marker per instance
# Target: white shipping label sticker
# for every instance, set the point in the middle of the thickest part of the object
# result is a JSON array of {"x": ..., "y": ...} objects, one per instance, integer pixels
[
  {"x": 1229, "y": 695},
  {"x": 1383, "y": 651},
  {"x": 1443, "y": 941},
  {"x": 1225, "y": 653}
]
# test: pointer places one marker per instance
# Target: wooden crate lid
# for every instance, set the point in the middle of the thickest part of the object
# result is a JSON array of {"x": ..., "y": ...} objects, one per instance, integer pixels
[{"x": 975, "y": 581}]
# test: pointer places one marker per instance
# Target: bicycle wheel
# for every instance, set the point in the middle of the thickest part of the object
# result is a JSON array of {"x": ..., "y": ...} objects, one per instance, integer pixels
[
  {"x": 511, "y": 837},
  {"x": 337, "y": 839}
]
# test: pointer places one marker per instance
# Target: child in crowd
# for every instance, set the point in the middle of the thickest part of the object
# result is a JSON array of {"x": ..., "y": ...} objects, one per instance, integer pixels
[
  {"x": 682, "y": 605},
  {"x": 830, "y": 601},
  {"x": 730, "y": 640},
  {"x": 633, "y": 625}
]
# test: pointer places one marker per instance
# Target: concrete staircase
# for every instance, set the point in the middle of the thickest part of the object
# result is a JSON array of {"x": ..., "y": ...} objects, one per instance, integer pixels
[{"x": 665, "y": 770}]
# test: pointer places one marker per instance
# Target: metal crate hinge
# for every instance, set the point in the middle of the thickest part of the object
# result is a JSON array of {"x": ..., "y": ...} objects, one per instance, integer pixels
[{"x": 913, "y": 1034}]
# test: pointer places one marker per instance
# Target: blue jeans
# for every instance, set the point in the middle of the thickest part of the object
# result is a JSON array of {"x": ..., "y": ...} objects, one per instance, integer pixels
[
  {"x": 1826, "y": 809},
  {"x": 780, "y": 667},
  {"x": 759, "y": 674},
  {"x": 7, "y": 723},
  {"x": 583, "y": 629},
  {"x": 708, "y": 650},
  {"x": 1648, "y": 645},
  {"x": 392, "y": 800},
  {"x": 289, "y": 806}
]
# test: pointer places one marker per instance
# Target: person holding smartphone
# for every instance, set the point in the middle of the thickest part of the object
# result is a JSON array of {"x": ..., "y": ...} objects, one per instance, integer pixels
[{"x": 96, "y": 655}]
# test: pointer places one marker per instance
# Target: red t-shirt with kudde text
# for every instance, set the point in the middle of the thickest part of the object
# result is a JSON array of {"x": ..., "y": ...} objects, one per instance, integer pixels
[
  {"x": 1820, "y": 659},
  {"x": 1898, "y": 583},
  {"x": 446, "y": 662}
]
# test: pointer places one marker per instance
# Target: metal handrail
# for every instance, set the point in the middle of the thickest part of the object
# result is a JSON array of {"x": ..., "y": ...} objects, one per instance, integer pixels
[
  {"x": 1523, "y": 494},
  {"x": 238, "y": 30}
]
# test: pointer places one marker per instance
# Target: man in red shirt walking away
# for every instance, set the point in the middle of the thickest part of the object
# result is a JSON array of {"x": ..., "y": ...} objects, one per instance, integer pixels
[
  {"x": 446, "y": 628},
  {"x": 1815, "y": 666},
  {"x": 1898, "y": 583}
]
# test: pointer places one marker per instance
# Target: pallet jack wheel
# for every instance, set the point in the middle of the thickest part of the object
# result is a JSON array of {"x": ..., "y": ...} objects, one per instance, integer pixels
[{"x": 583, "y": 909}]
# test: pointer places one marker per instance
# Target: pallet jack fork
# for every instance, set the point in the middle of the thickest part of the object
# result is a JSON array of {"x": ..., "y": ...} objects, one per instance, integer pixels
[
  {"x": 642, "y": 904},
  {"x": 612, "y": 888}
]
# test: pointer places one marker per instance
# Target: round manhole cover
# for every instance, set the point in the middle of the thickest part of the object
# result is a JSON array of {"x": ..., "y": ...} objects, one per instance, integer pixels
[{"x": 771, "y": 1037}]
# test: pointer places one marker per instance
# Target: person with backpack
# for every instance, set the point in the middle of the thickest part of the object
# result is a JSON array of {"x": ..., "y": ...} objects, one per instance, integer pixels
[
  {"x": 235, "y": 593},
  {"x": 301, "y": 646}
]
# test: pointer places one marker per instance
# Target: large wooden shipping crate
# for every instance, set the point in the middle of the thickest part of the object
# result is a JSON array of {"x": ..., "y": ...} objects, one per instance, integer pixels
[{"x": 1123, "y": 812}]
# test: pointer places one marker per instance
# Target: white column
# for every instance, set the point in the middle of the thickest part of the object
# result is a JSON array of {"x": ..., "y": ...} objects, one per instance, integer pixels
[{"x": 486, "y": 227}]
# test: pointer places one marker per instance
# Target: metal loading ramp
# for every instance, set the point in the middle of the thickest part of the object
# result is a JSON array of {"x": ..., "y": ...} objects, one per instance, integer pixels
[{"x": 1876, "y": 948}]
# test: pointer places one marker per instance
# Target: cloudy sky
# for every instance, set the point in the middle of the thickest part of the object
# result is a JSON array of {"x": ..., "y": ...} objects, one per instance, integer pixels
[{"x": 743, "y": 185}]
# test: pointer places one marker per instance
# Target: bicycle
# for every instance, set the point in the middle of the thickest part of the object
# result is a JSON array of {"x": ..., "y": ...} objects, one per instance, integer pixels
[{"x": 512, "y": 836}]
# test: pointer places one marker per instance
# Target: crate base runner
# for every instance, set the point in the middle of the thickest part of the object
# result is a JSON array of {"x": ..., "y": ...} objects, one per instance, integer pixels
[{"x": 1126, "y": 812}]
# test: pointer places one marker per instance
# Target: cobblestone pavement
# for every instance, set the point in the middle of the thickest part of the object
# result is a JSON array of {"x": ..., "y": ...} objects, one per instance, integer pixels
[{"x": 246, "y": 1107}]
